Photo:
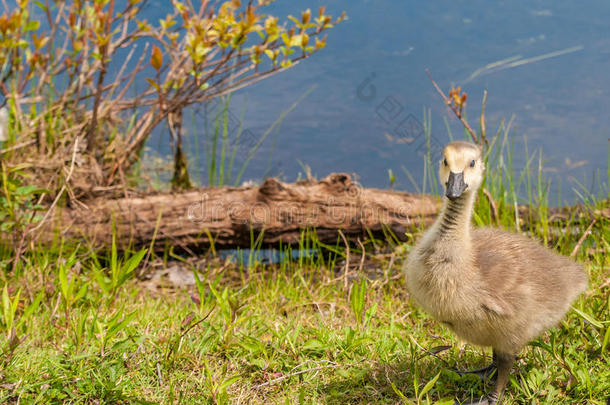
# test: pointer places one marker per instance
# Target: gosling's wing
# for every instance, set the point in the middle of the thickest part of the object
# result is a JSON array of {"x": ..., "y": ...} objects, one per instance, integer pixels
[
  {"x": 516, "y": 271},
  {"x": 494, "y": 304},
  {"x": 502, "y": 276}
]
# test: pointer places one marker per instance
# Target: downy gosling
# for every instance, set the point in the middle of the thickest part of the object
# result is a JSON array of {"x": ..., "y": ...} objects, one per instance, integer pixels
[{"x": 491, "y": 287}]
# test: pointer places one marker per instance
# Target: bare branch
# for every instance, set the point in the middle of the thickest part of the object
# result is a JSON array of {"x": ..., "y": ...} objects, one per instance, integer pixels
[{"x": 453, "y": 108}]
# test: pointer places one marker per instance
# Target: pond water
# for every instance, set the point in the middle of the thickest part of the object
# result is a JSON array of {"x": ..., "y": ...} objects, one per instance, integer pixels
[
  {"x": 365, "y": 114},
  {"x": 544, "y": 64}
]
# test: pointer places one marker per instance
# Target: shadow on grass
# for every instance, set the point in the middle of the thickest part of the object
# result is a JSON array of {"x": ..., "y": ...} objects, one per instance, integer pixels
[{"x": 387, "y": 383}]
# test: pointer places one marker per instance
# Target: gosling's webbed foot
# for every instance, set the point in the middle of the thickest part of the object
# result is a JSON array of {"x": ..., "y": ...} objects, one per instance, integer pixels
[
  {"x": 483, "y": 373},
  {"x": 504, "y": 362}
]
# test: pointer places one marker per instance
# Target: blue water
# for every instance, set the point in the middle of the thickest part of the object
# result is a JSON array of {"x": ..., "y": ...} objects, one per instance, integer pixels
[
  {"x": 559, "y": 103},
  {"x": 365, "y": 113}
]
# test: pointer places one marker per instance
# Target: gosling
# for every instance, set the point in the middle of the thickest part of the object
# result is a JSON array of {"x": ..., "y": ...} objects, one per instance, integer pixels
[{"x": 491, "y": 287}]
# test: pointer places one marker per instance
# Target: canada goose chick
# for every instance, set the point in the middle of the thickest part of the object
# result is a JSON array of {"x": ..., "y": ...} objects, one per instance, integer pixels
[{"x": 491, "y": 287}]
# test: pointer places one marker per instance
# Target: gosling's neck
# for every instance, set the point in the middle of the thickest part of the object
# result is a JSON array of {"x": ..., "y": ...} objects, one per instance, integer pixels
[{"x": 453, "y": 223}]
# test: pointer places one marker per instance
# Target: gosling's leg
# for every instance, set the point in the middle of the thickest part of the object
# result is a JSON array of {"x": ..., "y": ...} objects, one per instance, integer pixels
[
  {"x": 485, "y": 372},
  {"x": 505, "y": 363}
]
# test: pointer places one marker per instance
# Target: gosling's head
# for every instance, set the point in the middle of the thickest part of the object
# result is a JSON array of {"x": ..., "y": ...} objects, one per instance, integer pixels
[{"x": 461, "y": 170}]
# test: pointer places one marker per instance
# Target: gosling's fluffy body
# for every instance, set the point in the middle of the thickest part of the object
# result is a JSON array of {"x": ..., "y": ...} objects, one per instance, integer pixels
[
  {"x": 491, "y": 287},
  {"x": 499, "y": 289}
]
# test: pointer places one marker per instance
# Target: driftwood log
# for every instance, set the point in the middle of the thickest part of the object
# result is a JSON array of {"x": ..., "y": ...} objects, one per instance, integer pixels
[{"x": 233, "y": 216}]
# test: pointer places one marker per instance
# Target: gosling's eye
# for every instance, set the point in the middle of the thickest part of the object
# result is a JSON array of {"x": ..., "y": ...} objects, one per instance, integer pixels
[
  {"x": 472, "y": 164},
  {"x": 445, "y": 162}
]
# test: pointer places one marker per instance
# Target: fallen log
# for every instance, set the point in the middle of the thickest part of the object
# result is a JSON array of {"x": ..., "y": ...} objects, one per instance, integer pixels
[{"x": 233, "y": 216}]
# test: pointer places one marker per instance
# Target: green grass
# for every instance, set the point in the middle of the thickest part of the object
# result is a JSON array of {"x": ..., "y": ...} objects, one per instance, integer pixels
[
  {"x": 82, "y": 328},
  {"x": 289, "y": 332}
]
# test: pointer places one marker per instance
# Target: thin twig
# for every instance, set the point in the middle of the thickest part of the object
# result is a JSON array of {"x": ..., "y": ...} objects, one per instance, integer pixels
[
  {"x": 18, "y": 146},
  {"x": 454, "y": 109},
  {"x": 494, "y": 206},
  {"x": 193, "y": 325},
  {"x": 386, "y": 271},
  {"x": 428, "y": 352},
  {"x": 483, "y": 127},
  {"x": 19, "y": 248},
  {"x": 187, "y": 330},
  {"x": 159, "y": 374},
  {"x": 582, "y": 238},
  {"x": 346, "y": 258},
  {"x": 362, "y": 257},
  {"x": 276, "y": 380},
  {"x": 152, "y": 243}
]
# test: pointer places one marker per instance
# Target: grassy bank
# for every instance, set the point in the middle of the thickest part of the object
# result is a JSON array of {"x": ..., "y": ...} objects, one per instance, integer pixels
[
  {"x": 333, "y": 327},
  {"x": 301, "y": 331},
  {"x": 291, "y": 332}
]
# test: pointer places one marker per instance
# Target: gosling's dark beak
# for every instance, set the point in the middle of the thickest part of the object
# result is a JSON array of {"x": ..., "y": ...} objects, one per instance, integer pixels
[{"x": 455, "y": 186}]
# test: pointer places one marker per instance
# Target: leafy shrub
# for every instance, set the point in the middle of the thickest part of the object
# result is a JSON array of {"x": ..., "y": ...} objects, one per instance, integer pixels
[{"x": 79, "y": 70}]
